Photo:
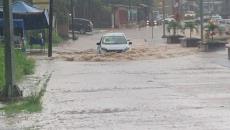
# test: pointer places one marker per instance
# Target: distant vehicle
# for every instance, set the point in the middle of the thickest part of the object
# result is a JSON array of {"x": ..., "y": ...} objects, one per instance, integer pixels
[
  {"x": 190, "y": 15},
  {"x": 157, "y": 18},
  {"x": 216, "y": 17},
  {"x": 208, "y": 19},
  {"x": 82, "y": 25},
  {"x": 168, "y": 20},
  {"x": 147, "y": 22},
  {"x": 113, "y": 42},
  {"x": 224, "y": 21},
  {"x": 153, "y": 22}
]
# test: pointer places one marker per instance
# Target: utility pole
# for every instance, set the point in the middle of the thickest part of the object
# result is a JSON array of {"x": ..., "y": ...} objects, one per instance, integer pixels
[
  {"x": 9, "y": 50},
  {"x": 152, "y": 29},
  {"x": 72, "y": 19},
  {"x": 130, "y": 14},
  {"x": 163, "y": 11},
  {"x": 50, "y": 28},
  {"x": 201, "y": 21}
]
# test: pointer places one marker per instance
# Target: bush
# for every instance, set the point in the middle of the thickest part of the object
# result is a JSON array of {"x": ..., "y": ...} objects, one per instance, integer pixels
[
  {"x": 24, "y": 66},
  {"x": 56, "y": 38}
]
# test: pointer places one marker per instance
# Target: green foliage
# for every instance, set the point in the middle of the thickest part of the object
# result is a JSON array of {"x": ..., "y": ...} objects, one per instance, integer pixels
[
  {"x": 24, "y": 66},
  {"x": 62, "y": 10},
  {"x": 30, "y": 104},
  {"x": 211, "y": 27},
  {"x": 191, "y": 26},
  {"x": 56, "y": 38},
  {"x": 173, "y": 25},
  {"x": 36, "y": 34}
]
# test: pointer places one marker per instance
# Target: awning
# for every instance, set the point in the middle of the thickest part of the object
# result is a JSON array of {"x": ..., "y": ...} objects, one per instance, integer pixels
[
  {"x": 18, "y": 23},
  {"x": 33, "y": 18}
]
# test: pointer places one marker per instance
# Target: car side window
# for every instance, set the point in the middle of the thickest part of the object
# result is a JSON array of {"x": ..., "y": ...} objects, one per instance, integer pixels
[{"x": 106, "y": 40}]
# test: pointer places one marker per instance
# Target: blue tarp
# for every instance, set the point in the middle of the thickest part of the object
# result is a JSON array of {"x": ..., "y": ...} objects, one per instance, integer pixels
[
  {"x": 33, "y": 18},
  {"x": 22, "y": 7},
  {"x": 18, "y": 23}
]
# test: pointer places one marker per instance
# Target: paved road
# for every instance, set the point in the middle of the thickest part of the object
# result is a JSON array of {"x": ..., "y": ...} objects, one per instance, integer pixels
[{"x": 183, "y": 93}]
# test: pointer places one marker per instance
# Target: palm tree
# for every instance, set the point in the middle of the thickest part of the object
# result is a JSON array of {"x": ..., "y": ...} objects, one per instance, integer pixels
[
  {"x": 173, "y": 25},
  {"x": 191, "y": 26},
  {"x": 211, "y": 27}
]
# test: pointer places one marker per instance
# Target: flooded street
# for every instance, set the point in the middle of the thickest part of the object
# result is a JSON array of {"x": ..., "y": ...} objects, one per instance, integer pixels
[{"x": 183, "y": 92}]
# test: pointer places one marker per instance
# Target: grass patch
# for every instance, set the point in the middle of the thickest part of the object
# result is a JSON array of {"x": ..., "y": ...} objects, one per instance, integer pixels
[
  {"x": 57, "y": 39},
  {"x": 28, "y": 105},
  {"x": 24, "y": 66}
]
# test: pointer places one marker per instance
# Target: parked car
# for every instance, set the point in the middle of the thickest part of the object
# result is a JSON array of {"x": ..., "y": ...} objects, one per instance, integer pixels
[
  {"x": 190, "y": 15},
  {"x": 168, "y": 20},
  {"x": 113, "y": 42},
  {"x": 155, "y": 22},
  {"x": 82, "y": 25}
]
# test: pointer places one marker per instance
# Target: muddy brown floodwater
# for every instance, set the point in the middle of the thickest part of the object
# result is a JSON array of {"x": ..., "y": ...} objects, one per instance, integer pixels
[{"x": 141, "y": 52}]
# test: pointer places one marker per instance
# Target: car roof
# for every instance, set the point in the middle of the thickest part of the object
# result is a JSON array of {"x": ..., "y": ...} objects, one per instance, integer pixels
[{"x": 114, "y": 34}]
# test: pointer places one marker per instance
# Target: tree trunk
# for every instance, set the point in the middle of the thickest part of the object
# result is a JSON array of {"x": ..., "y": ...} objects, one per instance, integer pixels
[{"x": 174, "y": 31}]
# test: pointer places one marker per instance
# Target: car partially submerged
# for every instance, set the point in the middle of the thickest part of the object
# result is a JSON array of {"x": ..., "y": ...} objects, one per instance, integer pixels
[{"x": 113, "y": 42}]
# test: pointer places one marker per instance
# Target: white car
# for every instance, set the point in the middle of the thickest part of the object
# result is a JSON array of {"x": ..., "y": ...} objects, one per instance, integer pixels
[
  {"x": 113, "y": 42},
  {"x": 190, "y": 14},
  {"x": 168, "y": 20}
]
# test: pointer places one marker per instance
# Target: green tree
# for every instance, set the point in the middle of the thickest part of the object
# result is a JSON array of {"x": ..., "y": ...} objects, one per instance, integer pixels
[
  {"x": 191, "y": 26},
  {"x": 173, "y": 25},
  {"x": 211, "y": 27},
  {"x": 61, "y": 11}
]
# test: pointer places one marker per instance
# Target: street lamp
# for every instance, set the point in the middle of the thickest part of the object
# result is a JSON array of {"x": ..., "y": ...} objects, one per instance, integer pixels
[{"x": 130, "y": 11}]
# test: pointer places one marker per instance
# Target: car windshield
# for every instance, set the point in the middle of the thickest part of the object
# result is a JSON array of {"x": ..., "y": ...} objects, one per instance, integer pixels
[{"x": 114, "y": 40}]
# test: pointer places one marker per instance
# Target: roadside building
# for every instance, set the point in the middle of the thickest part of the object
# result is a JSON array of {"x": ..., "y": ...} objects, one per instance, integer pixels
[
  {"x": 212, "y": 7},
  {"x": 42, "y": 4},
  {"x": 190, "y": 5},
  {"x": 123, "y": 15},
  {"x": 225, "y": 13}
]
